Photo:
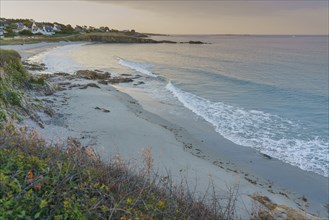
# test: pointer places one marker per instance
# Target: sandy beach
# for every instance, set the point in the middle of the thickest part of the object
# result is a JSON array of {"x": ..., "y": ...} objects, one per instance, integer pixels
[{"x": 117, "y": 120}]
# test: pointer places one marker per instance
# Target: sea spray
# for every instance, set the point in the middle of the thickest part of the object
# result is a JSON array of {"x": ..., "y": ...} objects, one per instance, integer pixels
[{"x": 137, "y": 66}]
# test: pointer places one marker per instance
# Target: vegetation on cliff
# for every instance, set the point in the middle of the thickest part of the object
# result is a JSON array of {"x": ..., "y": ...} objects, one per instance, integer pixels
[
  {"x": 69, "y": 181},
  {"x": 39, "y": 181},
  {"x": 14, "y": 82}
]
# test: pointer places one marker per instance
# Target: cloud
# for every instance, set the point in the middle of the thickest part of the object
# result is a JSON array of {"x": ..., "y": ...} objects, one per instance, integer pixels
[{"x": 218, "y": 8}]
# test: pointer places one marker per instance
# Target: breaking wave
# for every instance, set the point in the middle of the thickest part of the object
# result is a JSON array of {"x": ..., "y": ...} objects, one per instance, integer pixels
[
  {"x": 265, "y": 132},
  {"x": 137, "y": 66}
]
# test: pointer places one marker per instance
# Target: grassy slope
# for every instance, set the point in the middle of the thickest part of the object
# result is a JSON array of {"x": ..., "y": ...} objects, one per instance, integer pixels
[
  {"x": 13, "y": 77},
  {"x": 15, "y": 81},
  {"x": 48, "y": 182}
]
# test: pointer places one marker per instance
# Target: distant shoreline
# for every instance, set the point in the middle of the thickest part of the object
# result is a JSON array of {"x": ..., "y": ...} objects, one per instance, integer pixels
[{"x": 97, "y": 38}]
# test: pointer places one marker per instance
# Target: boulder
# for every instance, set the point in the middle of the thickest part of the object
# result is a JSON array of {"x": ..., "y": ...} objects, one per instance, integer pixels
[{"x": 89, "y": 74}]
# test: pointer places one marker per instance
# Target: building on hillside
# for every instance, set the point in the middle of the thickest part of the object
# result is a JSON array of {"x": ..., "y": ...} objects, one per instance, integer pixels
[
  {"x": 35, "y": 29},
  {"x": 2, "y": 28},
  {"x": 48, "y": 30},
  {"x": 3, "y": 23},
  {"x": 42, "y": 29},
  {"x": 20, "y": 27},
  {"x": 57, "y": 28}
]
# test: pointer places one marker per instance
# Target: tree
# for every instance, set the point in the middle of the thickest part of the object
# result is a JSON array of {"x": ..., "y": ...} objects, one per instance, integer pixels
[{"x": 25, "y": 33}]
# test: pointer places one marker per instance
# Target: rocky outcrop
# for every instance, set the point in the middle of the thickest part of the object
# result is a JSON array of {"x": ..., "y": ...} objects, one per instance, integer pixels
[
  {"x": 268, "y": 210},
  {"x": 194, "y": 42},
  {"x": 33, "y": 66},
  {"x": 93, "y": 75}
]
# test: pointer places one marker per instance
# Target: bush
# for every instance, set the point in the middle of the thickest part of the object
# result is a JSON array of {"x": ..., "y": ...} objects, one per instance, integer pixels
[
  {"x": 37, "y": 80},
  {"x": 70, "y": 182},
  {"x": 14, "y": 98},
  {"x": 25, "y": 33},
  {"x": 3, "y": 116},
  {"x": 8, "y": 56}
]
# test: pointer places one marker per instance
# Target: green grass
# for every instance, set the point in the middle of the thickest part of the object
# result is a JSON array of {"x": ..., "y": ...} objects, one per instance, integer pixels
[
  {"x": 14, "y": 81},
  {"x": 13, "y": 78},
  {"x": 39, "y": 181},
  {"x": 114, "y": 37}
]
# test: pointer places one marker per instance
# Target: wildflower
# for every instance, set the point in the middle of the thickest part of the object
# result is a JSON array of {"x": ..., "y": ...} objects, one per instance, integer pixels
[
  {"x": 30, "y": 176},
  {"x": 37, "y": 186},
  {"x": 129, "y": 201}
]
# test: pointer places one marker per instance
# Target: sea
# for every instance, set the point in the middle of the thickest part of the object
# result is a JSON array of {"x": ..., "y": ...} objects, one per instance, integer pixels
[{"x": 269, "y": 93}]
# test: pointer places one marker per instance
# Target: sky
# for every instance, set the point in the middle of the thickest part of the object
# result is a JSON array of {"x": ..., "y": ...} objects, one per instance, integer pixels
[{"x": 181, "y": 17}]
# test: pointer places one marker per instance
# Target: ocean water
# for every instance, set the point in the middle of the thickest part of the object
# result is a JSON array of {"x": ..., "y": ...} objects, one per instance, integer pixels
[{"x": 265, "y": 92}]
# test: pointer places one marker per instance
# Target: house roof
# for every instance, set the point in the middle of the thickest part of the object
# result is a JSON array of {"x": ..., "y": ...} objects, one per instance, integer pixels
[{"x": 48, "y": 28}]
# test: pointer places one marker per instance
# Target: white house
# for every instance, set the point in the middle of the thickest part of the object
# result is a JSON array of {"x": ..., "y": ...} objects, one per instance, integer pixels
[
  {"x": 48, "y": 30},
  {"x": 35, "y": 29},
  {"x": 56, "y": 27},
  {"x": 20, "y": 27},
  {"x": 45, "y": 30},
  {"x": 2, "y": 27}
]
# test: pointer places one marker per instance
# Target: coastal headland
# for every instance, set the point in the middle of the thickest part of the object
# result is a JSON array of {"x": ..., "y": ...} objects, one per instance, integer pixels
[{"x": 89, "y": 107}]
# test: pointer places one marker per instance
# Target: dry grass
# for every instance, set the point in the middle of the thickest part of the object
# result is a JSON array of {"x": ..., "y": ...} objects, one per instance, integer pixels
[{"x": 69, "y": 181}]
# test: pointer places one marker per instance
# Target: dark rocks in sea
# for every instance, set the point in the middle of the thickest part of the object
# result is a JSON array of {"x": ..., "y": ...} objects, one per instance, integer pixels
[
  {"x": 139, "y": 83},
  {"x": 103, "y": 82},
  {"x": 266, "y": 156},
  {"x": 194, "y": 42},
  {"x": 89, "y": 74},
  {"x": 119, "y": 80},
  {"x": 103, "y": 109},
  {"x": 33, "y": 66},
  {"x": 93, "y": 85}
]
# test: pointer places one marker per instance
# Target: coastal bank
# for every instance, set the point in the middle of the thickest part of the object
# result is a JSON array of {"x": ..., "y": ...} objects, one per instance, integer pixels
[{"x": 115, "y": 123}]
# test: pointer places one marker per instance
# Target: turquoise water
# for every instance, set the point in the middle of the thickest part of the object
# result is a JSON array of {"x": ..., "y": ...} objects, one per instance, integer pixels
[{"x": 265, "y": 92}]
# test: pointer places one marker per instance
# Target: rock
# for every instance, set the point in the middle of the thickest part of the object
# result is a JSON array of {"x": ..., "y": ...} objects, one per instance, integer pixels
[
  {"x": 94, "y": 85},
  {"x": 139, "y": 83},
  {"x": 126, "y": 74},
  {"x": 89, "y": 74},
  {"x": 64, "y": 83},
  {"x": 103, "y": 109},
  {"x": 34, "y": 67},
  {"x": 48, "y": 90},
  {"x": 119, "y": 80},
  {"x": 271, "y": 211},
  {"x": 195, "y": 42},
  {"x": 266, "y": 156},
  {"x": 104, "y": 82},
  {"x": 49, "y": 111}
]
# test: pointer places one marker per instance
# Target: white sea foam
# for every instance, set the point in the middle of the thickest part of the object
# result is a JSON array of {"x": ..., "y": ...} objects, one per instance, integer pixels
[
  {"x": 267, "y": 133},
  {"x": 139, "y": 67}
]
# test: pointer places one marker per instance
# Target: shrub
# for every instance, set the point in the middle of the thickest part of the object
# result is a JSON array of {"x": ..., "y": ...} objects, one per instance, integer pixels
[
  {"x": 70, "y": 182},
  {"x": 37, "y": 80},
  {"x": 25, "y": 33},
  {"x": 3, "y": 116},
  {"x": 14, "y": 98}
]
